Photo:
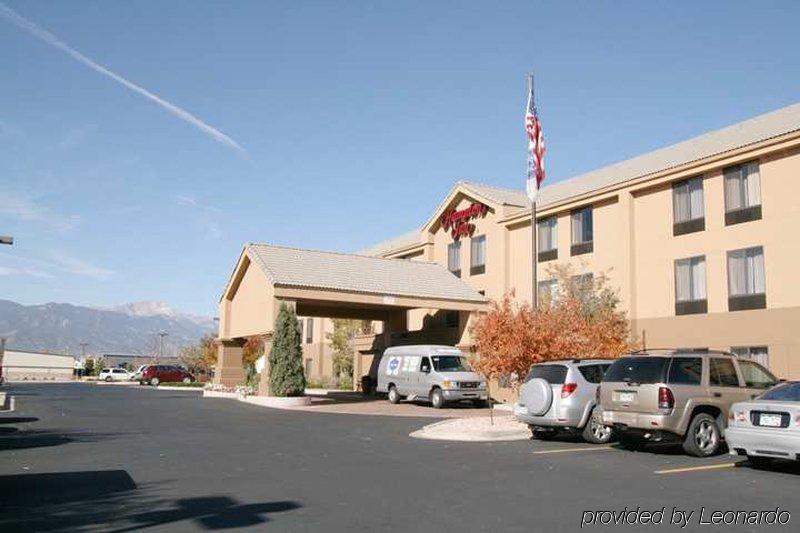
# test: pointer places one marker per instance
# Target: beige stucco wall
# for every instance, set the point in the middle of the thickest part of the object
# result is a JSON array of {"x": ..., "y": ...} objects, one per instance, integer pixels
[
  {"x": 635, "y": 246},
  {"x": 249, "y": 311}
]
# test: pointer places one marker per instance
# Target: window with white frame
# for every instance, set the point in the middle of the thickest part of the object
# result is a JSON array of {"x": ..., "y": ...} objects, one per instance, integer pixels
[
  {"x": 742, "y": 186},
  {"x": 746, "y": 279},
  {"x": 687, "y": 200},
  {"x": 582, "y": 231},
  {"x": 309, "y": 330},
  {"x": 742, "y": 193},
  {"x": 746, "y": 271},
  {"x": 547, "y": 235},
  {"x": 477, "y": 255},
  {"x": 759, "y": 354},
  {"x": 582, "y": 226},
  {"x": 454, "y": 257},
  {"x": 690, "y": 285},
  {"x": 548, "y": 290}
]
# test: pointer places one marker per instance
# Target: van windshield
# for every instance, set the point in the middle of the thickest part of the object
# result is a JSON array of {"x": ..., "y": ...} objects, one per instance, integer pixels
[
  {"x": 450, "y": 363},
  {"x": 639, "y": 370}
]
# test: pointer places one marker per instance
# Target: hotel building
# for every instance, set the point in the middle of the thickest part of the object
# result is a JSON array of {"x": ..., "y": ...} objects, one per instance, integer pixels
[{"x": 700, "y": 239}]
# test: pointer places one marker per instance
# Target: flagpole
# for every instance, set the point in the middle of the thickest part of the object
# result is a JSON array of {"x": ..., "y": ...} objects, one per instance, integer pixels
[{"x": 534, "y": 258}]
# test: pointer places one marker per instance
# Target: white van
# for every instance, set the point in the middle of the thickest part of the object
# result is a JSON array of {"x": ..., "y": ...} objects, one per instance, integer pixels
[{"x": 439, "y": 374}]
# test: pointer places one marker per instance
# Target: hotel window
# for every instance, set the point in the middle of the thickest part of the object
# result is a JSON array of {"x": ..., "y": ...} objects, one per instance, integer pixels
[
  {"x": 582, "y": 232},
  {"x": 548, "y": 290},
  {"x": 454, "y": 258},
  {"x": 690, "y": 286},
  {"x": 688, "y": 212},
  {"x": 746, "y": 283},
  {"x": 742, "y": 193},
  {"x": 758, "y": 354},
  {"x": 547, "y": 239},
  {"x": 309, "y": 330},
  {"x": 582, "y": 285},
  {"x": 477, "y": 255}
]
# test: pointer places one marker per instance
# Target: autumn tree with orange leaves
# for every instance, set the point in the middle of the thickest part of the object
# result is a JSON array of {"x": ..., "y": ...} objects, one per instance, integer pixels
[{"x": 577, "y": 318}]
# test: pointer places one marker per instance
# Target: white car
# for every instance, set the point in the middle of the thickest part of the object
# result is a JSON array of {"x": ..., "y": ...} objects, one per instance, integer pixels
[
  {"x": 114, "y": 374},
  {"x": 135, "y": 375},
  {"x": 768, "y": 427}
]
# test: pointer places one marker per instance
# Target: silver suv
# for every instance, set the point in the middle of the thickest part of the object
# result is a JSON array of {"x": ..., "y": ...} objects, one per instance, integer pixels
[
  {"x": 560, "y": 396},
  {"x": 683, "y": 395}
]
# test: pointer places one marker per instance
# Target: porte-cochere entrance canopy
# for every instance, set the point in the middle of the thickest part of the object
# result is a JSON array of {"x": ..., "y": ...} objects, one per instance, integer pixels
[{"x": 331, "y": 285}]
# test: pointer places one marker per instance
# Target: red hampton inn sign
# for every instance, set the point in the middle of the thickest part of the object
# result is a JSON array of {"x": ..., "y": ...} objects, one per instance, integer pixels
[{"x": 458, "y": 222}]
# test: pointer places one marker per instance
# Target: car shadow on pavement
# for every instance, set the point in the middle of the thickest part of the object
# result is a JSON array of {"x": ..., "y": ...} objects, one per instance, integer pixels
[
  {"x": 19, "y": 440},
  {"x": 110, "y": 500},
  {"x": 18, "y": 419},
  {"x": 210, "y": 512},
  {"x": 781, "y": 466}
]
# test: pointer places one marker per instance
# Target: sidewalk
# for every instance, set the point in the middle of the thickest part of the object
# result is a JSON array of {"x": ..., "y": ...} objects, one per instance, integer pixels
[{"x": 475, "y": 429}]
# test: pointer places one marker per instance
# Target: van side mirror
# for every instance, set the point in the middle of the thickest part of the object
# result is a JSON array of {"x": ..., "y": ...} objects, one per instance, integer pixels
[{"x": 426, "y": 369}]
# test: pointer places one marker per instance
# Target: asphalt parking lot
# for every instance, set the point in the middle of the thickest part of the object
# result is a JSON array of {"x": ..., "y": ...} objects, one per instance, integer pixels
[{"x": 84, "y": 457}]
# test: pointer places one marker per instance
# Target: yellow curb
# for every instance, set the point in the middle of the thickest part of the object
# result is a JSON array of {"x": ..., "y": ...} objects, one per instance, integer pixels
[
  {"x": 694, "y": 468},
  {"x": 584, "y": 449}
]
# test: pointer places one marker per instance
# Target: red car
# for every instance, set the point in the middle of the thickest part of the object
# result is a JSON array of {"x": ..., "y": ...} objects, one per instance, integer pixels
[{"x": 155, "y": 374}]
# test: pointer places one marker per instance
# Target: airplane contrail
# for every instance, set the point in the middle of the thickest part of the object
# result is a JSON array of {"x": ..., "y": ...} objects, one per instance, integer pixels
[{"x": 40, "y": 33}]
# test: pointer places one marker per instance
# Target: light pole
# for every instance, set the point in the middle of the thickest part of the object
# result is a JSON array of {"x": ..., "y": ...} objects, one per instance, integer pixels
[{"x": 161, "y": 335}]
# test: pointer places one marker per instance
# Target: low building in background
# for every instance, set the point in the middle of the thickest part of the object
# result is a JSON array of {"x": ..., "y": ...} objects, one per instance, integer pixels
[
  {"x": 134, "y": 361},
  {"x": 20, "y": 365}
]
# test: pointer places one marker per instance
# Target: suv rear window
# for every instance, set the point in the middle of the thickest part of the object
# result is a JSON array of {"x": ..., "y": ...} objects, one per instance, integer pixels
[
  {"x": 638, "y": 370},
  {"x": 593, "y": 373},
  {"x": 723, "y": 373},
  {"x": 685, "y": 371},
  {"x": 553, "y": 374}
]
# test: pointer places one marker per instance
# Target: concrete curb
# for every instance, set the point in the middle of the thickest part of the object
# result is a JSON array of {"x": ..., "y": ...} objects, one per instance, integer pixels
[
  {"x": 193, "y": 389},
  {"x": 474, "y": 430},
  {"x": 7, "y": 402},
  {"x": 219, "y": 394},
  {"x": 275, "y": 402}
]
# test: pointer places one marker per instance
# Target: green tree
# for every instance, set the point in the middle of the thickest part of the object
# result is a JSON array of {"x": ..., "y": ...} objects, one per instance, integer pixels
[
  {"x": 342, "y": 345},
  {"x": 286, "y": 375},
  {"x": 88, "y": 367}
]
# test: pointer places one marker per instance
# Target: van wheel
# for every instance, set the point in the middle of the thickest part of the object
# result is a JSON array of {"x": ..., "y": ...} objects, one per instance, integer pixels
[
  {"x": 154, "y": 382},
  {"x": 595, "y": 432},
  {"x": 703, "y": 436},
  {"x": 437, "y": 398},
  {"x": 394, "y": 396},
  {"x": 631, "y": 442}
]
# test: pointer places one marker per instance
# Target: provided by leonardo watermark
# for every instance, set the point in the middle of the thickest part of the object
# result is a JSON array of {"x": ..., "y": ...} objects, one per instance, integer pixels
[{"x": 682, "y": 518}]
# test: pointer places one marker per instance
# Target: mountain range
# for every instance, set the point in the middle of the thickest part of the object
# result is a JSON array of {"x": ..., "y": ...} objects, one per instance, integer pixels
[{"x": 131, "y": 328}]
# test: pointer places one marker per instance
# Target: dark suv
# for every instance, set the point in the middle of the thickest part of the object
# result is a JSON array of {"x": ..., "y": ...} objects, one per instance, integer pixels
[
  {"x": 682, "y": 395},
  {"x": 155, "y": 374}
]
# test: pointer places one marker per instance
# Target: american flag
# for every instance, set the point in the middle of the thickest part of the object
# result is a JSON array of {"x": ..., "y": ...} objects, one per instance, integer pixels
[{"x": 535, "y": 144}]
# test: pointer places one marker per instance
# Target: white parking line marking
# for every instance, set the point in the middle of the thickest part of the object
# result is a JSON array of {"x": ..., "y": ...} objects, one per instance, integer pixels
[
  {"x": 584, "y": 449},
  {"x": 694, "y": 468}
]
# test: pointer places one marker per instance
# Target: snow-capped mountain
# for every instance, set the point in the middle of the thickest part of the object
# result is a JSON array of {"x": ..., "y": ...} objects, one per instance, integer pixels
[{"x": 128, "y": 328}]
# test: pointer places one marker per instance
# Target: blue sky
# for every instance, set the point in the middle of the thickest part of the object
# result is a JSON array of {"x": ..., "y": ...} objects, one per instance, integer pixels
[{"x": 355, "y": 118}]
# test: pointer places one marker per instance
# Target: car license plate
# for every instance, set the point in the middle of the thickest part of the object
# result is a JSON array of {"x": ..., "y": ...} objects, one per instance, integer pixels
[
  {"x": 626, "y": 397},
  {"x": 769, "y": 420}
]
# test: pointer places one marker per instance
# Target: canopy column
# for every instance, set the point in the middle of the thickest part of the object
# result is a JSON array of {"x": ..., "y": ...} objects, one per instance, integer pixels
[{"x": 229, "y": 371}]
